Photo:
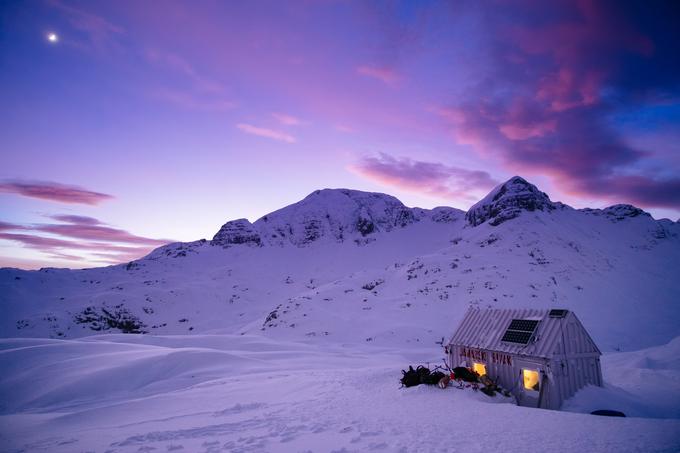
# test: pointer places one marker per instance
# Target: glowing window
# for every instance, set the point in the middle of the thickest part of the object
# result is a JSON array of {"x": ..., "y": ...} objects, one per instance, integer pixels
[
  {"x": 479, "y": 368},
  {"x": 531, "y": 380}
]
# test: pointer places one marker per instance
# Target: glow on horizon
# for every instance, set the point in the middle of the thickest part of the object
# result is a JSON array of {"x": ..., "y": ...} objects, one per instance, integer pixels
[{"x": 149, "y": 123}]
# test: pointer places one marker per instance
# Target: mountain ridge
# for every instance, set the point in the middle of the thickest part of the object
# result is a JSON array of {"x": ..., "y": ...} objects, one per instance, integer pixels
[
  {"x": 407, "y": 279},
  {"x": 504, "y": 202}
]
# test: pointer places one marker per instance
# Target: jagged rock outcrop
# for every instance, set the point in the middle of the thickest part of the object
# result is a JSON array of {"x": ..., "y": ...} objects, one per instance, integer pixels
[
  {"x": 445, "y": 214},
  {"x": 619, "y": 212},
  {"x": 235, "y": 232},
  {"x": 508, "y": 201}
]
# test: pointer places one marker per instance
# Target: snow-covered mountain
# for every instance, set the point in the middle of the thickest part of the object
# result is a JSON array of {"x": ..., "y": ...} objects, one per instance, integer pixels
[{"x": 349, "y": 266}]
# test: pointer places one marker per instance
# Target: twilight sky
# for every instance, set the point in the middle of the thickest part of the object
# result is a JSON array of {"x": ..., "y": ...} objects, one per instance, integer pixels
[{"x": 127, "y": 124}]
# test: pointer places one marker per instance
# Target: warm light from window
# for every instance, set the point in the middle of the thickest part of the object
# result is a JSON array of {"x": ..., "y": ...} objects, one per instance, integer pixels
[
  {"x": 531, "y": 380},
  {"x": 479, "y": 368}
]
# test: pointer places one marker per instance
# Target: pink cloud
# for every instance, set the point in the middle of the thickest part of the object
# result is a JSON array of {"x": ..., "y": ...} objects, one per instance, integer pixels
[
  {"x": 561, "y": 74},
  {"x": 89, "y": 228},
  {"x": 572, "y": 148},
  {"x": 53, "y": 191},
  {"x": 427, "y": 178},
  {"x": 117, "y": 245},
  {"x": 287, "y": 120},
  {"x": 65, "y": 256},
  {"x": 519, "y": 131},
  {"x": 121, "y": 256},
  {"x": 268, "y": 133},
  {"x": 42, "y": 242},
  {"x": 385, "y": 75},
  {"x": 97, "y": 233}
]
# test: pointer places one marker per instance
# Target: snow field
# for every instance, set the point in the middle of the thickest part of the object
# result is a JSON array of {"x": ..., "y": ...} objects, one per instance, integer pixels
[{"x": 130, "y": 393}]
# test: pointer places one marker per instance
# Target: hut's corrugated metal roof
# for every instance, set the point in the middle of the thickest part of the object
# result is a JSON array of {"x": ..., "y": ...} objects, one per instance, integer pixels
[{"x": 484, "y": 328}]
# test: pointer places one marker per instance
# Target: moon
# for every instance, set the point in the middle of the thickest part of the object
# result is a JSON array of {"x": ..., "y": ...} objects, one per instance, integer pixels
[{"x": 52, "y": 37}]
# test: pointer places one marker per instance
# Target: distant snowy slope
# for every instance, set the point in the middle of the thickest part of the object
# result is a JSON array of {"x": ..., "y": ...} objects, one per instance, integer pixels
[{"x": 347, "y": 266}]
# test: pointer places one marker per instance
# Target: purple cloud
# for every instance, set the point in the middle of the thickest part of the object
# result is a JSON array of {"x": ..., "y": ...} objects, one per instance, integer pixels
[
  {"x": 54, "y": 248},
  {"x": 97, "y": 233},
  {"x": 41, "y": 242},
  {"x": 561, "y": 73},
  {"x": 76, "y": 219},
  {"x": 424, "y": 177},
  {"x": 116, "y": 244},
  {"x": 53, "y": 191},
  {"x": 6, "y": 226}
]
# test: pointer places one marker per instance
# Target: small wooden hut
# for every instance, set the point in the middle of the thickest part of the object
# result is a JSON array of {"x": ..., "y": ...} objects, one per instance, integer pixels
[{"x": 541, "y": 356}]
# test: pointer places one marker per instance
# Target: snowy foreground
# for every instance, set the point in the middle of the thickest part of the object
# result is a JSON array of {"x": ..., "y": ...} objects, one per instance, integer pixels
[{"x": 207, "y": 393}]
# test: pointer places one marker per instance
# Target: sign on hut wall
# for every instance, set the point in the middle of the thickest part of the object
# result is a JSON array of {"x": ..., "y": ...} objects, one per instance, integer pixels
[
  {"x": 503, "y": 359},
  {"x": 482, "y": 356}
]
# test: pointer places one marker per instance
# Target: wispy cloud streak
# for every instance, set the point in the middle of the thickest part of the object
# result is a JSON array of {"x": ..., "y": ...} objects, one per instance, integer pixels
[
  {"x": 92, "y": 238},
  {"x": 429, "y": 178},
  {"x": 53, "y": 191},
  {"x": 287, "y": 120},
  {"x": 264, "y": 132}
]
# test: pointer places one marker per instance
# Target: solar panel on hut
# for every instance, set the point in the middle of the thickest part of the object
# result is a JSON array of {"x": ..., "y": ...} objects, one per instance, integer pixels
[{"x": 520, "y": 331}]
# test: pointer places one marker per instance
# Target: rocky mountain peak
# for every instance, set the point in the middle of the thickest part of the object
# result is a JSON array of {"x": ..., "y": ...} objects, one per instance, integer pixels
[
  {"x": 508, "y": 200},
  {"x": 334, "y": 214},
  {"x": 239, "y": 231}
]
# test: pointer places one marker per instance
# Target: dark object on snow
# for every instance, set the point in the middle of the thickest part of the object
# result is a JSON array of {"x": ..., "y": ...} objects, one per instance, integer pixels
[
  {"x": 410, "y": 378},
  {"x": 466, "y": 375},
  {"x": 608, "y": 413},
  {"x": 421, "y": 375},
  {"x": 487, "y": 391},
  {"x": 433, "y": 378}
]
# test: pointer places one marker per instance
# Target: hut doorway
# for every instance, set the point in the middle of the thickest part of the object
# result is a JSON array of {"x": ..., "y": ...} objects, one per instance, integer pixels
[{"x": 531, "y": 383}]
